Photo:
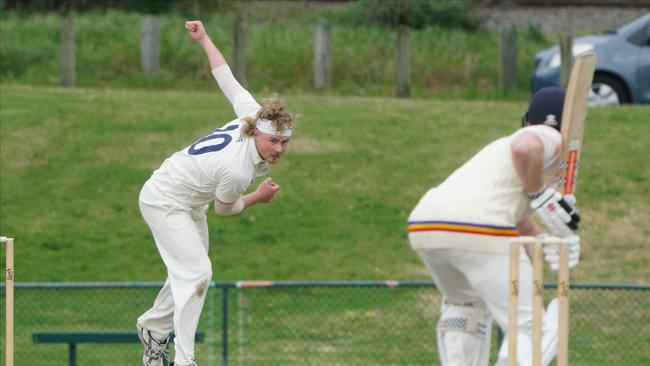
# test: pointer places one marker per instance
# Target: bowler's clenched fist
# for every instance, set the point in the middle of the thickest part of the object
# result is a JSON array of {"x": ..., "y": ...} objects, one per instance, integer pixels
[
  {"x": 195, "y": 27},
  {"x": 267, "y": 189}
]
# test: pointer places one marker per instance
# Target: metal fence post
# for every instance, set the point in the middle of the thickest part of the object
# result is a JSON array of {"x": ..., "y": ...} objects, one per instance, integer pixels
[
  {"x": 224, "y": 325},
  {"x": 72, "y": 354}
]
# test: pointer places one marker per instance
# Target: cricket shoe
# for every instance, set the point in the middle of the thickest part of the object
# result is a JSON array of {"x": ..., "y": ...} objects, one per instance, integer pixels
[{"x": 154, "y": 350}]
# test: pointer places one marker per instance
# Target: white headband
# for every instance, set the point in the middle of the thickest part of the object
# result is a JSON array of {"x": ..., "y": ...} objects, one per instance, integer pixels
[{"x": 265, "y": 126}]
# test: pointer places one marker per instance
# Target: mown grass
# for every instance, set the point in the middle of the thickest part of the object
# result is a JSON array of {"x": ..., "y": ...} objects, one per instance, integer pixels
[
  {"x": 446, "y": 63},
  {"x": 73, "y": 161}
]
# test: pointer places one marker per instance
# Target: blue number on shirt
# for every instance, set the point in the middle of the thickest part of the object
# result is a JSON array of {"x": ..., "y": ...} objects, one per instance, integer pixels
[{"x": 218, "y": 134}]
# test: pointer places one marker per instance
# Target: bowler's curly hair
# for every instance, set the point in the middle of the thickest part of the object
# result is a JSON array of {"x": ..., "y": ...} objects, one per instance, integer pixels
[{"x": 274, "y": 111}]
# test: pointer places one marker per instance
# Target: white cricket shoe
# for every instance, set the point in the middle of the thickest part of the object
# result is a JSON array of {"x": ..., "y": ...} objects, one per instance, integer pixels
[{"x": 154, "y": 350}]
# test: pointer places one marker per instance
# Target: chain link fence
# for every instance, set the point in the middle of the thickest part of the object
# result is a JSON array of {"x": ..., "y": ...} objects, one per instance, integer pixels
[{"x": 309, "y": 323}]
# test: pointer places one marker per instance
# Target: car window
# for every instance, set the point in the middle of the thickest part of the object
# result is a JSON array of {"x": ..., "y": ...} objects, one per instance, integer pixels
[
  {"x": 632, "y": 24},
  {"x": 640, "y": 37}
]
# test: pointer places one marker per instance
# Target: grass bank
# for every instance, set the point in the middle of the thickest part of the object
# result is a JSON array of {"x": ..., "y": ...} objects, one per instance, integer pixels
[{"x": 445, "y": 63}]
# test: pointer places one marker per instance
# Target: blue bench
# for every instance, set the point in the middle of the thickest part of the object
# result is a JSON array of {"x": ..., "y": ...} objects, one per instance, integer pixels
[{"x": 74, "y": 338}]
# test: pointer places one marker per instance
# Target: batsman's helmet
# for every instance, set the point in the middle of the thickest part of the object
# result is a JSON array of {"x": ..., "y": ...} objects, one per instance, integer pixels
[{"x": 545, "y": 108}]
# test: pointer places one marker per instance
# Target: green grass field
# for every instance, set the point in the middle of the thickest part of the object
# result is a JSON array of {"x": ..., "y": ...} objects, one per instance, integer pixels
[{"x": 73, "y": 161}]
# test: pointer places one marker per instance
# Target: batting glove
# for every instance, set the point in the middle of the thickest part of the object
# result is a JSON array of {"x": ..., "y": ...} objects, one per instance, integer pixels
[
  {"x": 558, "y": 213},
  {"x": 552, "y": 253},
  {"x": 571, "y": 199}
]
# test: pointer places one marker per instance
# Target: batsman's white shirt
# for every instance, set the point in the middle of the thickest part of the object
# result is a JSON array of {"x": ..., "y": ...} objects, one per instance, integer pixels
[
  {"x": 223, "y": 163},
  {"x": 484, "y": 198}
]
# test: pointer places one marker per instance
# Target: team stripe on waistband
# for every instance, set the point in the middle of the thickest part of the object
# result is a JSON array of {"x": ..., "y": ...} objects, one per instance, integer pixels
[{"x": 462, "y": 227}]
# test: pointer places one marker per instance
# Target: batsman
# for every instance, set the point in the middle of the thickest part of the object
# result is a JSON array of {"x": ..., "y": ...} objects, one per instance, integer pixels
[
  {"x": 218, "y": 169},
  {"x": 462, "y": 227}
]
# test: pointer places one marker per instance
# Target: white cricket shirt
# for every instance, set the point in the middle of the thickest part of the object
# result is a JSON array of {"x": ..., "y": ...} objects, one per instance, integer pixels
[
  {"x": 223, "y": 163},
  {"x": 485, "y": 195}
]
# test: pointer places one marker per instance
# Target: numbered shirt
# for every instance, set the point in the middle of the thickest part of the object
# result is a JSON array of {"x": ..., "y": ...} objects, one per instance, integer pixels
[
  {"x": 487, "y": 191},
  {"x": 222, "y": 164}
]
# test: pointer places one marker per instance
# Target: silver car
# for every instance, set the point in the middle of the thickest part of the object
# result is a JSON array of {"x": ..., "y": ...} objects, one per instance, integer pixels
[{"x": 622, "y": 65}]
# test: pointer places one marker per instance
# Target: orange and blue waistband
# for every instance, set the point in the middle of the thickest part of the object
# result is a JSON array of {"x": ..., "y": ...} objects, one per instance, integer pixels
[{"x": 462, "y": 227}]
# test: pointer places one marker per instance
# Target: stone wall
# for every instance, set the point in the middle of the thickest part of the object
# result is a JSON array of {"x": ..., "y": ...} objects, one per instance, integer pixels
[{"x": 580, "y": 20}]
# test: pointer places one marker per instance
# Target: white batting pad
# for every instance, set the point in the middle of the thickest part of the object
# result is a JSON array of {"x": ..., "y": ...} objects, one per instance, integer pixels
[{"x": 464, "y": 333}]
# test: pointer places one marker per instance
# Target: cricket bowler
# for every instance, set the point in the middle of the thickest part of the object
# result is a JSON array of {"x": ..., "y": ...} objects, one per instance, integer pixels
[{"x": 217, "y": 168}]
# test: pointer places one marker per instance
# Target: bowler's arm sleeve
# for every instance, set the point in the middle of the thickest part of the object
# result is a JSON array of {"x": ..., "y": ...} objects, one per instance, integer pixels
[{"x": 242, "y": 101}]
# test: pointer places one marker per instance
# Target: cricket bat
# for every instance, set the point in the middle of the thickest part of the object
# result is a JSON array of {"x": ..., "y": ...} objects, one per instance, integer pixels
[
  {"x": 574, "y": 115},
  {"x": 573, "y": 118}
]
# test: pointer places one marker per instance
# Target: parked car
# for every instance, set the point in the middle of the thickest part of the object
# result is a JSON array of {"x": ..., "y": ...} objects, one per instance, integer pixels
[{"x": 622, "y": 64}]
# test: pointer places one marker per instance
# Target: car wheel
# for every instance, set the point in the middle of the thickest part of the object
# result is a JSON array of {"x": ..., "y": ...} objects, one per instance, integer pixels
[{"x": 607, "y": 91}]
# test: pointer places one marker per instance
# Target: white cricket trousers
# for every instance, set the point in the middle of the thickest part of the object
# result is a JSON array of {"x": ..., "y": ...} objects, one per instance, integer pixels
[
  {"x": 466, "y": 277},
  {"x": 181, "y": 235}
]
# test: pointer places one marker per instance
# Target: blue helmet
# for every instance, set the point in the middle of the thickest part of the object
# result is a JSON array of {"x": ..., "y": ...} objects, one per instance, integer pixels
[{"x": 546, "y": 108}]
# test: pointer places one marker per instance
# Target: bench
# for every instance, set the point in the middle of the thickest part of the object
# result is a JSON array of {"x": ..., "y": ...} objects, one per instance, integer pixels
[{"x": 73, "y": 338}]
